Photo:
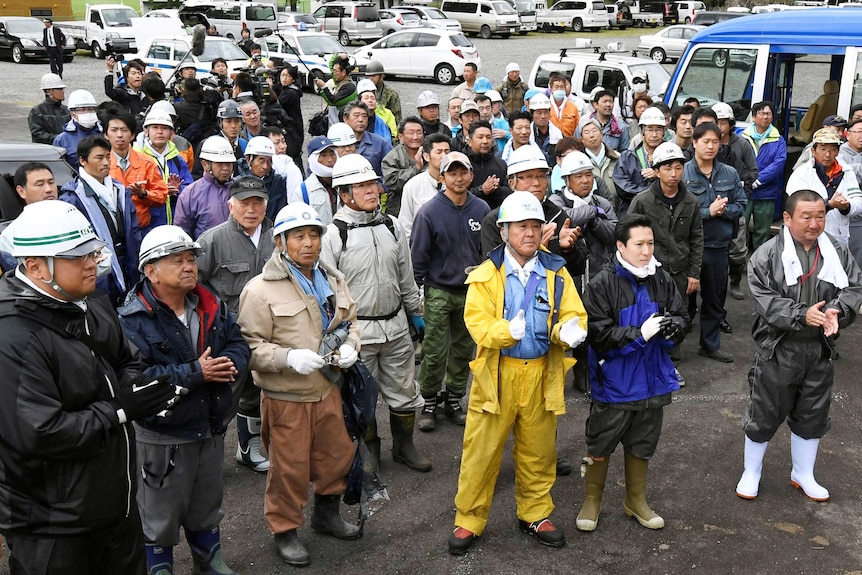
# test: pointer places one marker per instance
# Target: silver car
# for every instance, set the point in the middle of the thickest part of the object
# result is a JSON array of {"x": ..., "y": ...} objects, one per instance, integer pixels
[
  {"x": 669, "y": 43},
  {"x": 396, "y": 20}
]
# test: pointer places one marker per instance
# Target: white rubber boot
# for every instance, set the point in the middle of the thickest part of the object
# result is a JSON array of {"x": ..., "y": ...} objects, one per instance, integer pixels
[
  {"x": 803, "y": 452},
  {"x": 749, "y": 483}
]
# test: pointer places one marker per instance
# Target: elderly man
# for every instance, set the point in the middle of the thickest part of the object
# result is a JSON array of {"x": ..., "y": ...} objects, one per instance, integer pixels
[
  {"x": 513, "y": 89},
  {"x": 203, "y": 205},
  {"x": 303, "y": 421},
  {"x": 317, "y": 190},
  {"x": 259, "y": 154},
  {"x": 634, "y": 171},
  {"x": 806, "y": 288},
  {"x": 232, "y": 254},
  {"x": 186, "y": 335},
  {"x": 403, "y": 162},
  {"x": 372, "y": 252},
  {"x": 71, "y": 387},
  {"x": 543, "y": 133},
  {"x": 251, "y": 120}
]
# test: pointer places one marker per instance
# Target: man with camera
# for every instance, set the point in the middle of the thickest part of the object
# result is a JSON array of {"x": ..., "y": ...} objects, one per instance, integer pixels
[{"x": 339, "y": 89}]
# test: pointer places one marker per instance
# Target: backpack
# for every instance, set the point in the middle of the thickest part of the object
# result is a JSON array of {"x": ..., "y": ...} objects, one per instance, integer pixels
[{"x": 344, "y": 227}]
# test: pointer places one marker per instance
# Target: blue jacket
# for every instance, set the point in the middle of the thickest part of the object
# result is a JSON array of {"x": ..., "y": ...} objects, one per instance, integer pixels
[
  {"x": 69, "y": 138},
  {"x": 373, "y": 147},
  {"x": 155, "y": 330},
  {"x": 771, "y": 156},
  {"x": 623, "y": 366},
  {"x": 725, "y": 182},
  {"x": 124, "y": 263},
  {"x": 627, "y": 176},
  {"x": 445, "y": 240}
]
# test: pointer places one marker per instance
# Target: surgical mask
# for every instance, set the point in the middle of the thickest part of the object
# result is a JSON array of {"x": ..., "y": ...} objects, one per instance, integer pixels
[
  {"x": 638, "y": 88},
  {"x": 559, "y": 94},
  {"x": 87, "y": 120}
]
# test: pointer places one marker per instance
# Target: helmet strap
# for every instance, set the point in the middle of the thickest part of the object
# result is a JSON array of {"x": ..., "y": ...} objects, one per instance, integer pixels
[{"x": 53, "y": 284}]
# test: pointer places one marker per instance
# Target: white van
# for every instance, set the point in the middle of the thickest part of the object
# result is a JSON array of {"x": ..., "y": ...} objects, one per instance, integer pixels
[
  {"x": 485, "y": 17},
  {"x": 686, "y": 9},
  {"x": 230, "y": 17}
]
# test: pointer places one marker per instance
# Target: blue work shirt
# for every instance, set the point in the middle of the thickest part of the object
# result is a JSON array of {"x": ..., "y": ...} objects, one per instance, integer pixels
[{"x": 536, "y": 341}]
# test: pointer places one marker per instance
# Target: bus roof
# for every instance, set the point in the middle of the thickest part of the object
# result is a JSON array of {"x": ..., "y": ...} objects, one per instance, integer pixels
[{"x": 813, "y": 31}]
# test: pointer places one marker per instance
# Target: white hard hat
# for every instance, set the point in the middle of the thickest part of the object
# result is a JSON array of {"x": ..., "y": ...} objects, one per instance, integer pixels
[
  {"x": 296, "y": 215},
  {"x": 540, "y": 102},
  {"x": 652, "y": 117},
  {"x": 163, "y": 241},
  {"x": 494, "y": 95},
  {"x": 156, "y": 118},
  {"x": 352, "y": 169},
  {"x": 163, "y": 106},
  {"x": 50, "y": 81},
  {"x": 341, "y": 134},
  {"x": 53, "y": 228},
  {"x": 365, "y": 85},
  {"x": 260, "y": 146},
  {"x": 519, "y": 207},
  {"x": 667, "y": 152},
  {"x": 217, "y": 149},
  {"x": 81, "y": 99},
  {"x": 723, "y": 111},
  {"x": 427, "y": 98},
  {"x": 526, "y": 158},
  {"x": 575, "y": 162},
  {"x": 187, "y": 64}
]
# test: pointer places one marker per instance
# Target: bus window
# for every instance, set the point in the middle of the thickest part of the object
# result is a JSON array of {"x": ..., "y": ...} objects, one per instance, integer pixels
[
  {"x": 719, "y": 75},
  {"x": 857, "y": 81}
]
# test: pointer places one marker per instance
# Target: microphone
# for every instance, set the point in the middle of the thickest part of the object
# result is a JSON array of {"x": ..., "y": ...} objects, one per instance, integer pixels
[
  {"x": 199, "y": 35},
  {"x": 262, "y": 32}
]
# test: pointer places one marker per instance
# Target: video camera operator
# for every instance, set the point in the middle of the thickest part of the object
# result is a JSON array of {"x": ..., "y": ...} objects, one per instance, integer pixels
[
  {"x": 219, "y": 86},
  {"x": 195, "y": 116}
]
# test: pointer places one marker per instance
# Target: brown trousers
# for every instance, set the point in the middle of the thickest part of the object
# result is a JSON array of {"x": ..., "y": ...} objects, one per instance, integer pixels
[{"x": 305, "y": 442}]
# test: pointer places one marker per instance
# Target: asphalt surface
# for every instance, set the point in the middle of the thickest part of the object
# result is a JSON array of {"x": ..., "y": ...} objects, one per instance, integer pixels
[{"x": 692, "y": 477}]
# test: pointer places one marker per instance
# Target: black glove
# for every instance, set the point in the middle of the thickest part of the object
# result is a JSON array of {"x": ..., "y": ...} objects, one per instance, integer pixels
[
  {"x": 672, "y": 327},
  {"x": 143, "y": 397}
]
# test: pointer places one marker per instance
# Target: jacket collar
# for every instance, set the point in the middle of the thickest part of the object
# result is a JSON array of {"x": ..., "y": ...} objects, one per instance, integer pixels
[
  {"x": 548, "y": 260},
  {"x": 276, "y": 269}
]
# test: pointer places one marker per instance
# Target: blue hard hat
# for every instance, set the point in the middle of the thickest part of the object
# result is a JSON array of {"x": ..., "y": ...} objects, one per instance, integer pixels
[
  {"x": 482, "y": 85},
  {"x": 530, "y": 93}
]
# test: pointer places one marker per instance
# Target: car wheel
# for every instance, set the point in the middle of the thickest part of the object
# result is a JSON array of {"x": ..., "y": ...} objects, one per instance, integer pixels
[
  {"x": 653, "y": 25},
  {"x": 622, "y": 28},
  {"x": 577, "y": 25},
  {"x": 546, "y": 27},
  {"x": 68, "y": 60},
  {"x": 561, "y": 29},
  {"x": 445, "y": 74},
  {"x": 344, "y": 38},
  {"x": 522, "y": 33},
  {"x": 485, "y": 32},
  {"x": 658, "y": 55},
  {"x": 687, "y": 20},
  {"x": 230, "y": 37},
  {"x": 388, "y": 32},
  {"x": 719, "y": 58},
  {"x": 98, "y": 53},
  {"x": 17, "y": 54}
]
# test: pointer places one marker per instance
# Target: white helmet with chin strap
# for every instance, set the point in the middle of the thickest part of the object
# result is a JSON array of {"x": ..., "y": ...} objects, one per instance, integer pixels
[
  {"x": 163, "y": 241},
  {"x": 295, "y": 215}
]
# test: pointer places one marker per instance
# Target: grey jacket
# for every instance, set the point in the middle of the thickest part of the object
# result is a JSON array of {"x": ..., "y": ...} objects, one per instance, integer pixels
[
  {"x": 378, "y": 270},
  {"x": 745, "y": 161},
  {"x": 678, "y": 234},
  {"x": 778, "y": 308},
  {"x": 398, "y": 168},
  {"x": 229, "y": 259},
  {"x": 597, "y": 221}
]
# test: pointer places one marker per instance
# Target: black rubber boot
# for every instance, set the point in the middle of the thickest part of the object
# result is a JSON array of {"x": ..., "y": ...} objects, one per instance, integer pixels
[
  {"x": 453, "y": 410},
  {"x": 372, "y": 441},
  {"x": 327, "y": 520},
  {"x": 403, "y": 450},
  {"x": 291, "y": 550},
  {"x": 428, "y": 417}
]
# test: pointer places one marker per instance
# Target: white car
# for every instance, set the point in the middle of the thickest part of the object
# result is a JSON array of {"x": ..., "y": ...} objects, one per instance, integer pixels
[
  {"x": 433, "y": 18},
  {"x": 427, "y": 52},
  {"x": 669, "y": 43},
  {"x": 293, "y": 21},
  {"x": 309, "y": 51},
  {"x": 392, "y": 20},
  {"x": 579, "y": 14},
  {"x": 164, "y": 54}
]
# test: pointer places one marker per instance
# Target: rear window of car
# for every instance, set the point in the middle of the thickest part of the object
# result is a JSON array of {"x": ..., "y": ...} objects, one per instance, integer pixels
[
  {"x": 366, "y": 14},
  {"x": 409, "y": 16},
  {"x": 599, "y": 7},
  {"x": 459, "y": 40},
  {"x": 260, "y": 13}
]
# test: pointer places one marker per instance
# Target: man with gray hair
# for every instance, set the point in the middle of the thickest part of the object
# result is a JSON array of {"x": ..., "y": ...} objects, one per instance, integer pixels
[{"x": 371, "y": 146}]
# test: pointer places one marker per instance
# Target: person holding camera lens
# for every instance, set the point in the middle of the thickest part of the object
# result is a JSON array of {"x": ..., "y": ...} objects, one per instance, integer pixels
[{"x": 339, "y": 89}]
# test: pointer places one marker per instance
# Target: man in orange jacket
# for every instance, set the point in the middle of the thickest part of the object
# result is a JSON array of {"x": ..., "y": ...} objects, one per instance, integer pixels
[
  {"x": 564, "y": 113},
  {"x": 138, "y": 172}
]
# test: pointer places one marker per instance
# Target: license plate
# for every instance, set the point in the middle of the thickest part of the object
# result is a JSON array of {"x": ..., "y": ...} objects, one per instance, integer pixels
[
  {"x": 133, "y": 45},
  {"x": 369, "y": 24}
]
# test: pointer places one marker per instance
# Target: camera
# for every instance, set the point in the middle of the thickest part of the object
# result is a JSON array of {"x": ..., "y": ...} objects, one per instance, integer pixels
[{"x": 116, "y": 53}]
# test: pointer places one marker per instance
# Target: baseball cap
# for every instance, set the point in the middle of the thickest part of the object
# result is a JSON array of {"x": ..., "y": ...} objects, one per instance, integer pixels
[
  {"x": 247, "y": 187},
  {"x": 836, "y": 121},
  {"x": 427, "y": 98},
  {"x": 319, "y": 143},
  {"x": 453, "y": 158},
  {"x": 468, "y": 105},
  {"x": 826, "y": 136},
  {"x": 639, "y": 75},
  {"x": 512, "y": 67}
]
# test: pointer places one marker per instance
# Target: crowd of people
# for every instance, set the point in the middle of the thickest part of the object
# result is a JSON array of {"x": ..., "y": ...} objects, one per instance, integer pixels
[{"x": 199, "y": 272}]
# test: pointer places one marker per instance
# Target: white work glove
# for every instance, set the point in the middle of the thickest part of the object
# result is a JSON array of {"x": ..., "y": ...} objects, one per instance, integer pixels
[
  {"x": 651, "y": 326},
  {"x": 347, "y": 355},
  {"x": 304, "y": 361},
  {"x": 518, "y": 326},
  {"x": 572, "y": 334},
  {"x": 756, "y": 184}
]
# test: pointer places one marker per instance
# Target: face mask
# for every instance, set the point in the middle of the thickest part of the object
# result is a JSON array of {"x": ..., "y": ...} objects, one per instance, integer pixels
[
  {"x": 638, "y": 88},
  {"x": 559, "y": 94},
  {"x": 87, "y": 120}
]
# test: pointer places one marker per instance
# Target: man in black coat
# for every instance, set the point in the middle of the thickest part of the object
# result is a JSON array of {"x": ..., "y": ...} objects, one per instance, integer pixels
[
  {"x": 53, "y": 40},
  {"x": 490, "y": 182}
]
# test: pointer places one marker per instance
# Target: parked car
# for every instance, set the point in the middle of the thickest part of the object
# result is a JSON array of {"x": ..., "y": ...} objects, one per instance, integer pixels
[
  {"x": 164, "y": 54},
  {"x": 313, "y": 49},
  {"x": 710, "y": 18},
  {"x": 437, "y": 54},
  {"x": 230, "y": 18},
  {"x": 485, "y": 17},
  {"x": 294, "y": 21},
  {"x": 103, "y": 25},
  {"x": 21, "y": 40},
  {"x": 687, "y": 9},
  {"x": 668, "y": 44},
  {"x": 433, "y": 18},
  {"x": 393, "y": 20},
  {"x": 579, "y": 14},
  {"x": 619, "y": 16},
  {"x": 13, "y": 156},
  {"x": 349, "y": 21}
]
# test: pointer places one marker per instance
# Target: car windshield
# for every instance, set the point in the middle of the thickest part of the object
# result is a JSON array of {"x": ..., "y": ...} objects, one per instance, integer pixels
[
  {"x": 25, "y": 27},
  {"x": 525, "y": 5},
  {"x": 323, "y": 44},
  {"x": 435, "y": 14},
  {"x": 503, "y": 8},
  {"x": 658, "y": 76},
  {"x": 218, "y": 48},
  {"x": 118, "y": 16}
]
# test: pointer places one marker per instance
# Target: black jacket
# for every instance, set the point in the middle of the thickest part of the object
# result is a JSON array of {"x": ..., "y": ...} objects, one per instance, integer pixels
[
  {"x": 59, "y": 38},
  {"x": 485, "y": 165},
  {"x": 134, "y": 103},
  {"x": 47, "y": 119},
  {"x": 66, "y": 462}
]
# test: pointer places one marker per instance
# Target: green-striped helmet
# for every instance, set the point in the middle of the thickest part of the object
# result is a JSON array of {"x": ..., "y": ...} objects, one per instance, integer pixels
[{"x": 53, "y": 228}]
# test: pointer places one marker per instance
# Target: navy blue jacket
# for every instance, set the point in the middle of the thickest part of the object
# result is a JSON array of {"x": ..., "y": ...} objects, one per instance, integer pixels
[
  {"x": 154, "y": 329},
  {"x": 725, "y": 182},
  {"x": 446, "y": 239}
]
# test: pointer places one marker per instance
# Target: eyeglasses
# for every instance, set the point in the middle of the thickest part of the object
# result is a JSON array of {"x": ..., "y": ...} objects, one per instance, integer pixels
[
  {"x": 765, "y": 113},
  {"x": 533, "y": 178},
  {"x": 854, "y": 131},
  {"x": 94, "y": 255}
]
